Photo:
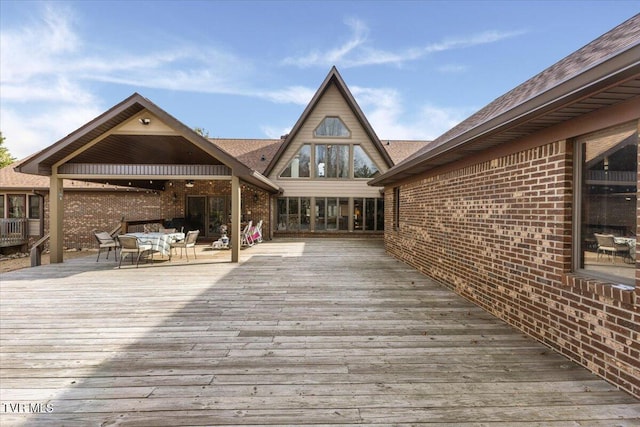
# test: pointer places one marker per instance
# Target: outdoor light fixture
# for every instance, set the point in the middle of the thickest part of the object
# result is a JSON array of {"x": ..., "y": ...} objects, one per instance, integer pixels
[
  {"x": 189, "y": 184},
  {"x": 144, "y": 121}
]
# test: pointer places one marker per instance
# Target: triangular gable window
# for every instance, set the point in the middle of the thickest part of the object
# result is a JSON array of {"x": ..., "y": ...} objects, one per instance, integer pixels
[
  {"x": 363, "y": 166},
  {"x": 298, "y": 167},
  {"x": 332, "y": 127}
]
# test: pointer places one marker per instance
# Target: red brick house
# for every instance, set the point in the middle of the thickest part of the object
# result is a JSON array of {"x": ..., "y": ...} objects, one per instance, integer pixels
[
  {"x": 137, "y": 162},
  {"x": 508, "y": 208}
]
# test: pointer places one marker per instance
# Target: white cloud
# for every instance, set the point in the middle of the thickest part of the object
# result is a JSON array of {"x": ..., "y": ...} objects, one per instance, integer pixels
[
  {"x": 48, "y": 75},
  {"x": 357, "y": 51},
  {"x": 299, "y": 95},
  {"x": 384, "y": 110},
  {"x": 29, "y": 132},
  {"x": 274, "y": 133}
]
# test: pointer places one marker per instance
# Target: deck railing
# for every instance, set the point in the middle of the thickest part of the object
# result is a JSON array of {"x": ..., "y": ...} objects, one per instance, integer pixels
[
  {"x": 36, "y": 251},
  {"x": 13, "y": 231}
]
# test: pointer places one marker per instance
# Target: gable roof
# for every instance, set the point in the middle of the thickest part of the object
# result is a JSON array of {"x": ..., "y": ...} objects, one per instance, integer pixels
[
  {"x": 602, "y": 73},
  {"x": 332, "y": 78},
  {"x": 186, "y": 141}
]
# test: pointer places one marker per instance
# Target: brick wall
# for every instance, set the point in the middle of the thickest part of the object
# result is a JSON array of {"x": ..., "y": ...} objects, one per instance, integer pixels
[
  {"x": 499, "y": 234},
  {"x": 85, "y": 211}
]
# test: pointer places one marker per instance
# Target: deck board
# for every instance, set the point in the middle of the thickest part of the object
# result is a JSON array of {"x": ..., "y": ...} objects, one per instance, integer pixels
[{"x": 315, "y": 332}]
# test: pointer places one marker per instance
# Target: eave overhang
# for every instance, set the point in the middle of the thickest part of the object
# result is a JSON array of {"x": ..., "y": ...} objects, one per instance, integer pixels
[
  {"x": 183, "y": 146},
  {"x": 609, "y": 82}
]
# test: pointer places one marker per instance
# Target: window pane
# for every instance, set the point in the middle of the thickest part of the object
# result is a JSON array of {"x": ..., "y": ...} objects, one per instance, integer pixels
[
  {"x": 608, "y": 211},
  {"x": 343, "y": 219},
  {"x": 332, "y": 213},
  {"x": 358, "y": 214},
  {"x": 380, "y": 214},
  {"x": 305, "y": 214},
  {"x": 34, "y": 207},
  {"x": 299, "y": 166},
  {"x": 363, "y": 166},
  {"x": 321, "y": 214},
  {"x": 321, "y": 161},
  {"x": 1, "y": 205},
  {"x": 282, "y": 213},
  {"x": 342, "y": 161},
  {"x": 294, "y": 217},
  {"x": 16, "y": 206},
  {"x": 218, "y": 213},
  {"x": 370, "y": 214},
  {"x": 332, "y": 126}
]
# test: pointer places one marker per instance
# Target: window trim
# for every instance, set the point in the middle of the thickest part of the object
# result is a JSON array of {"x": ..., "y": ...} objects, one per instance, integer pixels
[
  {"x": 576, "y": 226},
  {"x": 315, "y": 130}
]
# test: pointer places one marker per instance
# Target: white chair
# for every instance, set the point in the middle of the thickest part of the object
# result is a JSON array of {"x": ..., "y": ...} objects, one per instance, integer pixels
[
  {"x": 607, "y": 245},
  {"x": 245, "y": 236},
  {"x": 188, "y": 242},
  {"x": 131, "y": 245},
  {"x": 105, "y": 241}
]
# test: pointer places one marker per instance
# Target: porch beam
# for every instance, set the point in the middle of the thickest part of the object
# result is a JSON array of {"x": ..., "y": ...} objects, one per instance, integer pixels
[
  {"x": 56, "y": 218},
  {"x": 235, "y": 218}
]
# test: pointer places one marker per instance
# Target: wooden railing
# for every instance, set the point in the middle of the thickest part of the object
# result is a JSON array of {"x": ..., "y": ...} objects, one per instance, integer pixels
[
  {"x": 36, "y": 251},
  {"x": 13, "y": 231}
]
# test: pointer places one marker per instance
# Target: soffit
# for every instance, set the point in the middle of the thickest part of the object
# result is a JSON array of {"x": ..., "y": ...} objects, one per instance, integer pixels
[{"x": 526, "y": 124}]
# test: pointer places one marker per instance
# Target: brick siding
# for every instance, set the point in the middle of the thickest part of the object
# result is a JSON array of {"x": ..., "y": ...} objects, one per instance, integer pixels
[
  {"x": 499, "y": 234},
  {"x": 86, "y": 211}
]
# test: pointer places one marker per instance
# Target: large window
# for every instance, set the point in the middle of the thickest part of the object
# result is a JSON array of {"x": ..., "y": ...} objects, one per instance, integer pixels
[
  {"x": 607, "y": 218},
  {"x": 34, "y": 207},
  {"x": 330, "y": 214},
  {"x": 298, "y": 167},
  {"x": 368, "y": 214},
  {"x": 363, "y": 166},
  {"x": 396, "y": 208},
  {"x": 294, "y": 213},
  {"x": 16, "y": 206},
  {"x": 332, "y": 127},
  {"x": 332, "y": 161}
]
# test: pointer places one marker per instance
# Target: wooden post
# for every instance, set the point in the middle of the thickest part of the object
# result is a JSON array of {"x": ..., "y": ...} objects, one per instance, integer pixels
[
  {"x": 236, "y": 194},
  {"x": 56, "y": 218}
]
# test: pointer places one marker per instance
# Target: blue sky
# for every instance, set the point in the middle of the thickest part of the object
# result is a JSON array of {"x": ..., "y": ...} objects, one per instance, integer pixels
[{"x": 243, "y": 69}]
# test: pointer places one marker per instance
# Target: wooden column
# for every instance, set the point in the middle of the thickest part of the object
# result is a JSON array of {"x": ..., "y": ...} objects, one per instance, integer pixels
[
  {"x": 235, "y": 218},
  {"x": 56, "y": 218}
]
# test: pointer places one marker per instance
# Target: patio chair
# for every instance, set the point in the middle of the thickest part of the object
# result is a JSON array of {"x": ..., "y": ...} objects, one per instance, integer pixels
[
  {"x": 105, "y": 241},
  {"x": 188, "y": 242},
  {"x": 607, "y": 245},
  {"x": 131, "y": 245},
  {"x": 256, "y": 234},
  {"x": 245, "y": 236}
]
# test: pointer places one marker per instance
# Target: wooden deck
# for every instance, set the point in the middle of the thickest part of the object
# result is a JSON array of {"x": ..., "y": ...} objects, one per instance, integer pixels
[{"x": 322, "y": 331}]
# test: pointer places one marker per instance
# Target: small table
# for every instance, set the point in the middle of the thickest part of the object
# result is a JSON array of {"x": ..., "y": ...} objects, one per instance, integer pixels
[
  {"x": 631, "y": 242},
  {"x": 160, "y": 242}
]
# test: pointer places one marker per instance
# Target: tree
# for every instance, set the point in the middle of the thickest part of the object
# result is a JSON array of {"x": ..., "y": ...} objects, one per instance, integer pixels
[
  {"x": 5, "y": 156},
  {"x": 202, "y": 132}
]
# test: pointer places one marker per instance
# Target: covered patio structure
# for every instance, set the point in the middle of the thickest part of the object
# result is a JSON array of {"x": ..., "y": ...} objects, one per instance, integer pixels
[
  {"x": 137, "y": 144},
  {"x": 315, "y": 332}
]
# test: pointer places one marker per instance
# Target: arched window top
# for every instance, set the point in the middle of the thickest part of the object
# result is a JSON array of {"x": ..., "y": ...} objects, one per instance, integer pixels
[{"x": 332, "y": 127}]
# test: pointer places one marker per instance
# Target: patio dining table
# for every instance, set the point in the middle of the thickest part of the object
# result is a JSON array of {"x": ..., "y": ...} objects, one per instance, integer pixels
[
  {"x": 629, "y": 241},
  {"x": 160, "y": 242}
]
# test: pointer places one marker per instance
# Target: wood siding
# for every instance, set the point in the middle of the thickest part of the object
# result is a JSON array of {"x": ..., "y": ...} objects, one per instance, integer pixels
[{"x": 332, "y": 104}]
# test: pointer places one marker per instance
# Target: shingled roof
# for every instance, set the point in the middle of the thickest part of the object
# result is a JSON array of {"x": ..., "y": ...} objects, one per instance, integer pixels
[
  {"x": 602, "y": 73},
  {"x": 12, "y": 180}
]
